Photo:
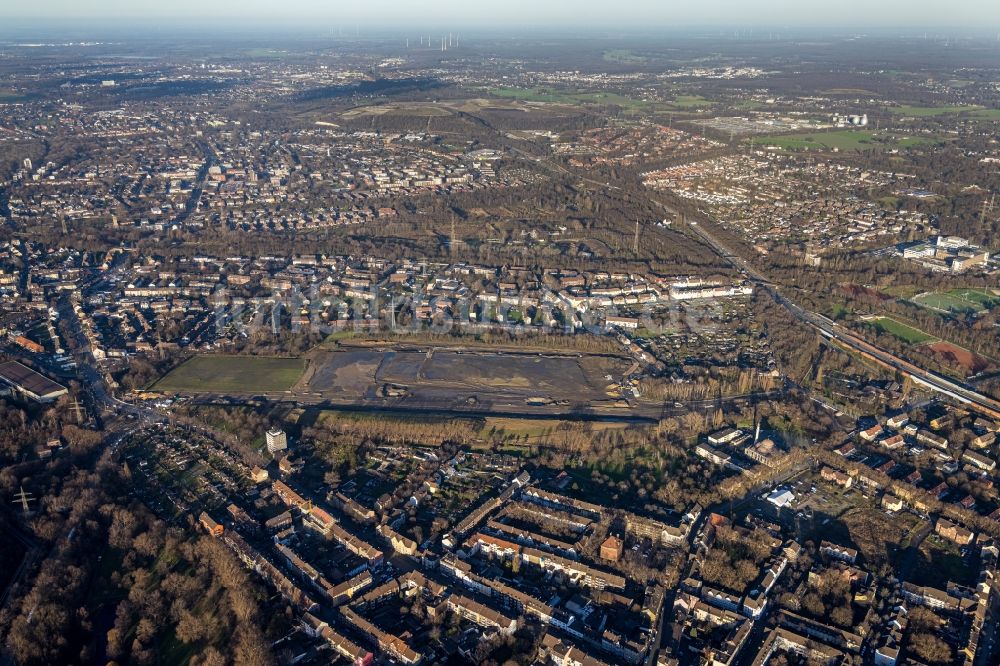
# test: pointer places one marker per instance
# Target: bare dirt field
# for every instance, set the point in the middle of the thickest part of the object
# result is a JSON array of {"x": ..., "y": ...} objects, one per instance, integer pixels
[
  {"x": 972, "y": 362},
  {"x": 452, "y": 378}
]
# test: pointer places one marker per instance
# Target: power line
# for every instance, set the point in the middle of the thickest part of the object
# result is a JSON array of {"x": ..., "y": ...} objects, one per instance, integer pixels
[{"x": 24, "y": 499}]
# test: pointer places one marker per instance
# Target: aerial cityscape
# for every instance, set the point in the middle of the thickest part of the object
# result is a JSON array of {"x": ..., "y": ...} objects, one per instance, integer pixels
[{"x": 483, "y": 336}]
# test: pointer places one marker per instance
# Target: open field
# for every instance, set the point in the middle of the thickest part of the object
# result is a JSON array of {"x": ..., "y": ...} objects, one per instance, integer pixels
[
  {"x": 984, "y": 297},
  {"x": 930, "y": 111},
  {"x": 544, "y": 95},
  {"x": 848, "y": 91},
  {"x": 463, "y": 379},
  {"x": 986, "y": 114},
  {"x": 419, "y": 109},
  {"x": 906, "y": 333},
  {"x": 902, "y": 291},
  {"x": 624, "y": 56},
  {"x": 232, "y": 374},
  {"x": 628, "y": 103},
  {"x": 957, "y": 300},
  {"x": 690, "y": 101},
  {"x": 547, "y": 104},
  {"x": 972, "y": 362},
  {"x": 839, "y": 140}
]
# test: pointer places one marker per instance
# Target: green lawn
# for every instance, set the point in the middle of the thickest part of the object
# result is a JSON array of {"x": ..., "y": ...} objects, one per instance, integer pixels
[
  {"x": 944, "y": 302},
  {"x": 337, "y": 336},
  {"x": 910, "y": 141},
  {"x": 232, "y": 374},
  {"x": 933, "y": 111},
  {"x": 690, "y": 101},
  {"x": 983, "y": 298},
  {"x": 986, "y": 114},
  {"x": 839, "y": 311},
  {"x": 841, "y": 140},
  {"x": 906, "y": 333},
  {"x": 957, "y": 300},
  {"x": 929, "y": 111}
]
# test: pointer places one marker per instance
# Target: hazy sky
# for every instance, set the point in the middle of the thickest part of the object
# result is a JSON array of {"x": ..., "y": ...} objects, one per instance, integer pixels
[{"x": 980, "y": 14}]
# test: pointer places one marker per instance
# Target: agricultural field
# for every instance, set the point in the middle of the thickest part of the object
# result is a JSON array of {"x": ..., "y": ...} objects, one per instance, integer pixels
[
  {"x": 914, "y": 336},
  {"x": 232, "y": 374},
  {"x": 957, "y": 301}
]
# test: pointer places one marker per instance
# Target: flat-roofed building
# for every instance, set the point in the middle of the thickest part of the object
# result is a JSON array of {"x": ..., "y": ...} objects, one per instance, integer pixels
[
  {"x": 30, "y": 384},
  {"x": 276, "y": 440}
]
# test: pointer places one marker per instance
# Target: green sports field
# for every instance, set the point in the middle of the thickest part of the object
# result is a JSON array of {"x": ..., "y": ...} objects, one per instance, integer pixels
[
  {"x": 958, "y": 300},
  {"x": 914, "y": 336},
  {"x": 232, "y": 374}
]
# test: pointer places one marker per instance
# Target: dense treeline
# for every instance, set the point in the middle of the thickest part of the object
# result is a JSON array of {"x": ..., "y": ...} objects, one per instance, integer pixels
[
  {"x": 720, "y": 382},
  {"x": 795, "y": 345},
  {"x": 116, "y": 585}
]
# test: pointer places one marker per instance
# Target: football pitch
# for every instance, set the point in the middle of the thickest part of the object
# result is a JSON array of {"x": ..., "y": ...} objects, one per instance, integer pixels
[{"x": 957, "y": 300}]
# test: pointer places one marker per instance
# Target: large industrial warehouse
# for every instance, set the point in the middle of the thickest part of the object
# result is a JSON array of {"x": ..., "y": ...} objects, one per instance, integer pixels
[{"x": 28, "y": 383}]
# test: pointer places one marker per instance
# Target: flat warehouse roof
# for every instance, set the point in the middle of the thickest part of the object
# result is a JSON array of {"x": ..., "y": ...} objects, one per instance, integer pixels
[{"x": 28, "y": 380}]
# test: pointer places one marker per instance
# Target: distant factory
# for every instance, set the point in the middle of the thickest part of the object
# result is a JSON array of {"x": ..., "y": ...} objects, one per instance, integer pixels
[{"x": 850, "y": 121}]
